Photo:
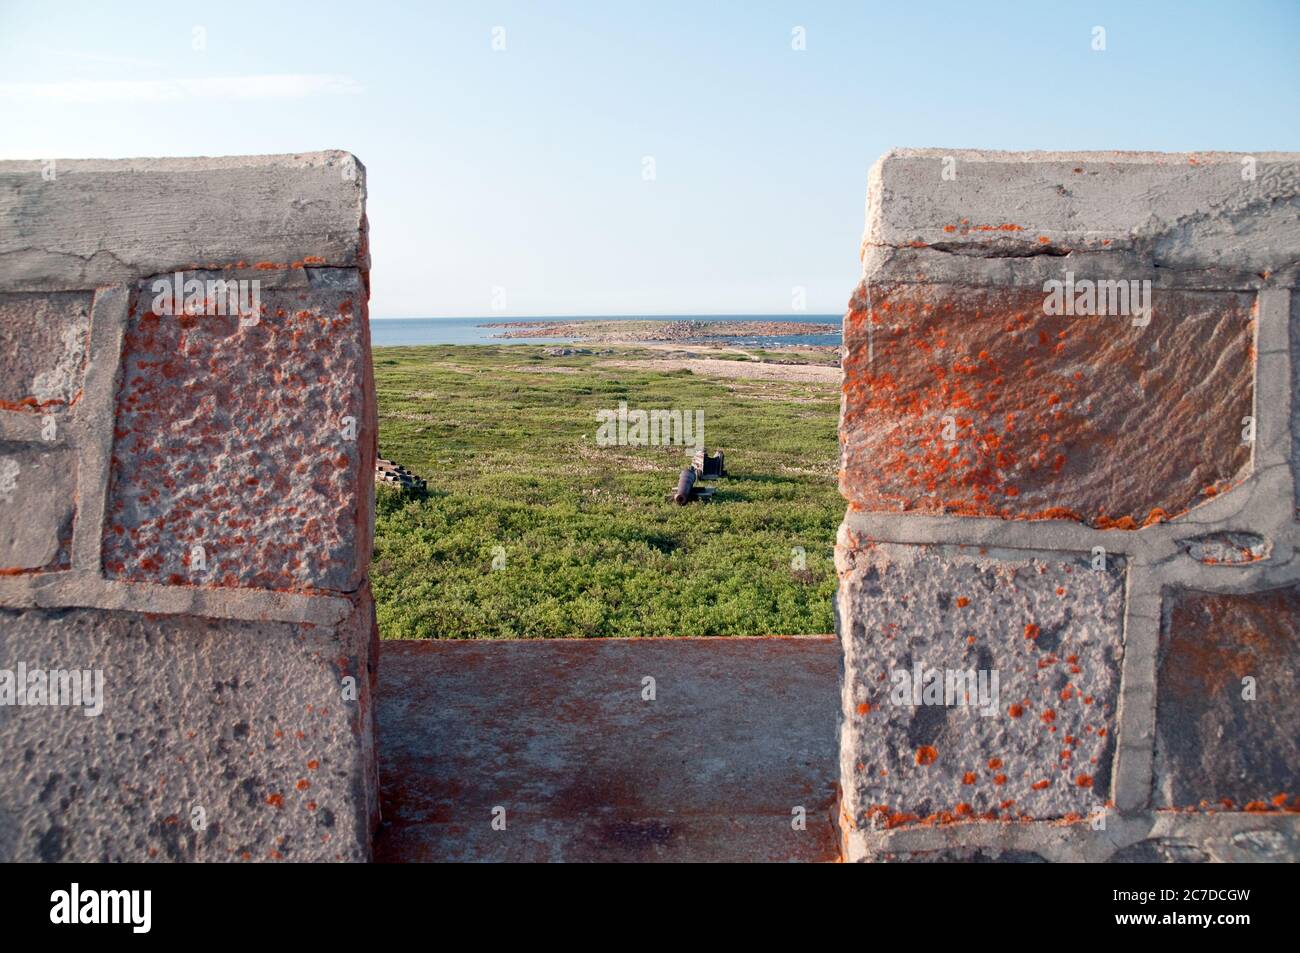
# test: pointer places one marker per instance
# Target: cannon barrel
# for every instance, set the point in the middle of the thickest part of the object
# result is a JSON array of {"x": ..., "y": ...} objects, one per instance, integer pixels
[{"x": 684, "y": 485}]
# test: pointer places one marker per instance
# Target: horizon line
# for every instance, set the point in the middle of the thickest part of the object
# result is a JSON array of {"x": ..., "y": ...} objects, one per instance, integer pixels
[{"x": 597, "y": 317}]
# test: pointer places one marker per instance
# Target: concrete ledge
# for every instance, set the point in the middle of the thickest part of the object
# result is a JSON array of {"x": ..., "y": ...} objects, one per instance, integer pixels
[
  {"x": 740, "y": 734},
  {"x": 1184, "y": 210}
]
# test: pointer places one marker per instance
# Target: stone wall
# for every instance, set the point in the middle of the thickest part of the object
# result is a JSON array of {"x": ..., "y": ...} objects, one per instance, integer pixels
[
  {"x": 186, "y": 510},
  {"x": 1097, "y": 505}
]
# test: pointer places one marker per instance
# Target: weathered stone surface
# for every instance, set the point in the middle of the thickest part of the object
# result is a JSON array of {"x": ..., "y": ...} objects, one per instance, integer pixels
[
  {"x": 557, "y": 733},
  {"x": 1180, "y": 210},
  {"x": 245, "y": 720},
  {"x": 105, "y": 221},
  {"x": 234, "y": 439},
  {"x": 1214, "y": 747},
  {"x": 1293, "y": 335},
  {"x": 1086, "y": 418},
  {"x": 1049, "y": 626},
  {"x": 1228, "y": 548},
  {"x": 964, "y": 855},
  {"x": 43, "y": 339},
  {"x": 38, "y": 491},
  {"x": 1160, "y": 851},
  {"x": 1263, "y": 845}
]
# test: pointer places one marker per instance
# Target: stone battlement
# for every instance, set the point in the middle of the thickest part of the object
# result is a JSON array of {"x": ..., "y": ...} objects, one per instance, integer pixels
[
  {"x": 1067, "y": 450},
  {"x": 187, "y": 508},
  {"x": 1069, "y": 590}
]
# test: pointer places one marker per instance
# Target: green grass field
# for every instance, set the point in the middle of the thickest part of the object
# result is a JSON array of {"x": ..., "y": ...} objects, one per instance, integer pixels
[{"x": 584, "y": 538}]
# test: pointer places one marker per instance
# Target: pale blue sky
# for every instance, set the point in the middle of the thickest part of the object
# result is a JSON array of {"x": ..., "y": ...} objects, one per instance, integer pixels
[{"x": 521, "y": 169}]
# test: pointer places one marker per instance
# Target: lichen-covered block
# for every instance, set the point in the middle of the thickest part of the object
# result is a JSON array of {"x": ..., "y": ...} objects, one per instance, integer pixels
[
  {"x": 43, "y": 342},
  {"x": 1227, "y": 710},
  {"x": 239, "y": 447},
  {"x": 199, "y": 739},
  {"x": 1025, "y": 651},
  {"x": 38, "y": 493},
  {"x": 973, "y": 401}
]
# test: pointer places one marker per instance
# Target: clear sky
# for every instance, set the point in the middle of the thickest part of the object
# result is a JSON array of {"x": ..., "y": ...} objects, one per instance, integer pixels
[{"x": 524, "y": 168}]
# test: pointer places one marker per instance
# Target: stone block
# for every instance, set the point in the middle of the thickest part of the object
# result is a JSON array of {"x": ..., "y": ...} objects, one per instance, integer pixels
[
  {"x": 1226, "y": 705},
  {"x": 247, "y": 441},
  {"x": 1232, "y": 211},
  {"x": 1026, "y": 649},
  {"x": 972, "y": 401},
  {"x": 43, "y": 341},
  {"x": 108, "y": 221},
  {"x": 38, "y": 492},
  {"x": 215, "y": 740}
]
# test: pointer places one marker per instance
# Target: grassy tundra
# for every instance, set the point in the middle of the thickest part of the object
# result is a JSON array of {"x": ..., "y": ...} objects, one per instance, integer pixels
[{"x": 531, "y": 530}]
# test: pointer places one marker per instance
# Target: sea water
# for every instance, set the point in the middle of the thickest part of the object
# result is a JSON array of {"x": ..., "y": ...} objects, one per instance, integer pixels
[{"x": 410, "y": 331}]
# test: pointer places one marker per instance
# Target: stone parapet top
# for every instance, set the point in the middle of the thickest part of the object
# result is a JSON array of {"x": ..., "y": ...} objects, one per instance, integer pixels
[{"x": 83, "y": 223}]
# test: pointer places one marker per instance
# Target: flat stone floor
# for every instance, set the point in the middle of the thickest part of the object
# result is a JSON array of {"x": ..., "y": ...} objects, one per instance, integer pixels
[{"x": 557, "y": 733}]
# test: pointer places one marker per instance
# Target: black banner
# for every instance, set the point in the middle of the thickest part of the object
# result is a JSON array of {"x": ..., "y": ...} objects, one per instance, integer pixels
[{"x": 134, "y": 903}]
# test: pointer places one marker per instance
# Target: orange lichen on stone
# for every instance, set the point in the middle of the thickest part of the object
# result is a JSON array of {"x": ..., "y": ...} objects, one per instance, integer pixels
[
  {"x": 1025, "y": 446},
  {"x": 184, "y": 397}
]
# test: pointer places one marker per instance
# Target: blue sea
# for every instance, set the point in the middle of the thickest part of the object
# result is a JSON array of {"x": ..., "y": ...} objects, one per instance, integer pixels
[{"x": 408, "y": 331}]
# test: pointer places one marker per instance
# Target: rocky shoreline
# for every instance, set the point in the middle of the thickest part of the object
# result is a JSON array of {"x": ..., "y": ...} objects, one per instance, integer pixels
[{"x": 684, "y": 332}]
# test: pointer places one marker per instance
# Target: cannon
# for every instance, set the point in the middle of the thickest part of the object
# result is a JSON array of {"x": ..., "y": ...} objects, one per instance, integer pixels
[
  {"x": 703, "y": 467},
  {"x": 685, "y": 484}
]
